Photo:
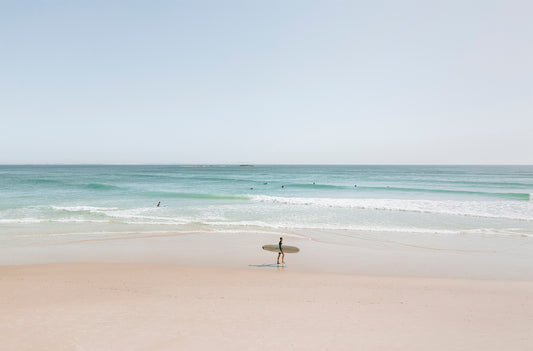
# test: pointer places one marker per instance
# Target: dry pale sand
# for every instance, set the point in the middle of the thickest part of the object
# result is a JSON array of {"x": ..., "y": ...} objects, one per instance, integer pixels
[{"x": 163, "y": 307}]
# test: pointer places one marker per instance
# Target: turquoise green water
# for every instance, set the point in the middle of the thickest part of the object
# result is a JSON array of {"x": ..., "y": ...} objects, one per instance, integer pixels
[{"x": 47, "y": 204}]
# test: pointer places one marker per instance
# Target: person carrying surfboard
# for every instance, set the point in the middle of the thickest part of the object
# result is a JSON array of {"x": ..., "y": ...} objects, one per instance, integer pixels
[{"x": 281, "y": 253}]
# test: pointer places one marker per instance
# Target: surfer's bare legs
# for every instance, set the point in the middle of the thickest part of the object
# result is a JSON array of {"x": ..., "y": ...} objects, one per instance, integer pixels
[
  {"x": 281, "y": 251},
  {"x": 282, "y": 254}
]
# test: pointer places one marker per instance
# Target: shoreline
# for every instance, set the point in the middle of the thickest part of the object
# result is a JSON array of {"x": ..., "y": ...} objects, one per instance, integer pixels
[
  {"x": 142, "y": 306},
  {"x": 439, "y": 257}
]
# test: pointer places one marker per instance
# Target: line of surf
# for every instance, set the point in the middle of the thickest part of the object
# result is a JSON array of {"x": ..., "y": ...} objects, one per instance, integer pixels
[{"x": 517, "y": 210}]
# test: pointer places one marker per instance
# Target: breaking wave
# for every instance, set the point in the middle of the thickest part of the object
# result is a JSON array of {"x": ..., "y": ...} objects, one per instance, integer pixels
[{"x": 491, "y": 209}]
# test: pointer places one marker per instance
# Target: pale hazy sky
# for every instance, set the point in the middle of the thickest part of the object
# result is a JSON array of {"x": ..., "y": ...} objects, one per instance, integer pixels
[{"x": 266, "y": 81}]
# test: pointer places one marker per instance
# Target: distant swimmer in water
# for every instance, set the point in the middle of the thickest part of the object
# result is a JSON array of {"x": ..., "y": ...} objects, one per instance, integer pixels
[
  {"x": 251, "y": 188},
  {"x": 283, "y": 186},
  {"x": 355, "y": 185},
  {"x": 281, "y": 253},
  {"x": 265, "y": 183},
  {"x": 159, "y": 204}
]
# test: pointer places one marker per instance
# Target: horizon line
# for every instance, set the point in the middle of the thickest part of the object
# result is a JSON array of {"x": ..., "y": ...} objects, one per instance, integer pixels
[{"x": 264, "y": 164}]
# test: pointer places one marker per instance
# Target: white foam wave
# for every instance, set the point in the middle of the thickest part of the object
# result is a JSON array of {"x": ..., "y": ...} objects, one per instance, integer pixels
[
  {"x": 49, "y": 220},
  {"x": 256, "y": 226},
  {"x": 126, "y": 216},
  {"x": 92, "y": 209},
  {"x": 321, "y": 226},
  {"x": 515, "y": 210},
  {"x": 20, "y": 220}
]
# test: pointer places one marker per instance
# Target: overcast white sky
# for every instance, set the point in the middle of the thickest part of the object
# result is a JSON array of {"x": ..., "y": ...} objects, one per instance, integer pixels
[{"x": 266, "y": 82}]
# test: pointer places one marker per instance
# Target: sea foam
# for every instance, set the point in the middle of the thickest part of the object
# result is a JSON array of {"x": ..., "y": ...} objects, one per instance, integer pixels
[{"x": 516, "y": 210}]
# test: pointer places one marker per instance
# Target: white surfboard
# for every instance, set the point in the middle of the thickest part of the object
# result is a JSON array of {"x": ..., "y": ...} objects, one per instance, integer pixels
[{"x": 286, "y": 249}]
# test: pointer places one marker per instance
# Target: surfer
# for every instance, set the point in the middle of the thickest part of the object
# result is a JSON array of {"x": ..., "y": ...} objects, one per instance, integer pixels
[{"x": 281, "y": 253}]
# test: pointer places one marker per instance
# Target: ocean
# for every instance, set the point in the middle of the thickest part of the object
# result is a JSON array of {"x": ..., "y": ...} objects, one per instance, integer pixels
[
  {"x": 458, "y": 207},
  {"x": 412, "y": 199}
]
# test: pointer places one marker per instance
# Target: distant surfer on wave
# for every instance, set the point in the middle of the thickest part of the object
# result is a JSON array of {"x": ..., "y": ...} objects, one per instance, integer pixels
[{"x": 281, "y": 253}]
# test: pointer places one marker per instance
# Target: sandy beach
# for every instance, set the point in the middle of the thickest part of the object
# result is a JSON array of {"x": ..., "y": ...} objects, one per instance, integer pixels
[{"x": 92, "y": 306}]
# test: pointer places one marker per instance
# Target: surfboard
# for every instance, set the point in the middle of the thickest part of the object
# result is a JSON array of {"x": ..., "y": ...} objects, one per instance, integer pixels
[{"x": 286, "y": 249}]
